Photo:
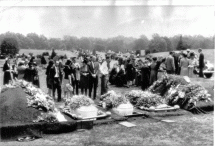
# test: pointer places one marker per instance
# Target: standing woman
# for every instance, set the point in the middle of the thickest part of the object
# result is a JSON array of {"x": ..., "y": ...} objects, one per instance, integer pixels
[
  {"x": 133, "y": 62},
  {"x": 77, "y": 77},
  {"x": 7, "y": 72},
  {"x": 192, "y": 65},
  {"x": 145, "y": 75},
  {"x": 129, "y": 73},
  {"x": 184, "y": 63},
  {"x": 120, "y": 78},
  {"x": 48, "y": 79},
  {"x": 162, "y": 68},
  {"x": 84, "y": 79},
  {"x": 43, "y": 61},
  {"x": 154, "y": 70},
  {"x": 29, "y": 73},
  {"x": 36, "y": 79},
  {"x": 67, "y": 80},
  {"x": 138, "y": 73}
]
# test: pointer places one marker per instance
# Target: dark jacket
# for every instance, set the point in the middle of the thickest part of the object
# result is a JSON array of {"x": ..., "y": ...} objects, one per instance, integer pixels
[
  {"x": 53, "y": 72},
  {"x": 94, "y": 70},
  {"x": 201, "y": 60}
]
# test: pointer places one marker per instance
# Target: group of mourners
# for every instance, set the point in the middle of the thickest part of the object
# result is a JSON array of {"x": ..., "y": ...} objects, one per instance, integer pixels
[
  {"x": 81, "y": 75},
  {"x": 144, "y": 72}
]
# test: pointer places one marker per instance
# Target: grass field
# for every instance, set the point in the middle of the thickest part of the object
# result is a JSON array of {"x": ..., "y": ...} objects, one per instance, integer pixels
[{"x": 186, "y": 130}]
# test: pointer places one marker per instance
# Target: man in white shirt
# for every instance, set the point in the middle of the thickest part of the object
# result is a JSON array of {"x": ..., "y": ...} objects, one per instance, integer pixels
[
  {"x": 56, "y": 76},
  {"x": 105, "y": 69},
  {"x": 93, "y": 76}
]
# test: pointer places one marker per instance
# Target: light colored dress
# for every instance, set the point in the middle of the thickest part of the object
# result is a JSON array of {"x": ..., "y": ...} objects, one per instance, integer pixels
[
  {"x": 192, "y": 64},
  {"x": 162, "y": 70},
  {"x": 184, "y": 63}
]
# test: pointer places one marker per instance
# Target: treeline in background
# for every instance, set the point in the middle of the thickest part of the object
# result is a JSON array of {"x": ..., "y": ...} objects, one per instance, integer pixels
[{"x": 120, "y": 43}]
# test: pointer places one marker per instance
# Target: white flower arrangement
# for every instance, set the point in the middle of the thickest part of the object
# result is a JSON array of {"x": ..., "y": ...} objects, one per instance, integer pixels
[
  {"x": 78, "y": 101},
  {"x": 112, "y": 100}
]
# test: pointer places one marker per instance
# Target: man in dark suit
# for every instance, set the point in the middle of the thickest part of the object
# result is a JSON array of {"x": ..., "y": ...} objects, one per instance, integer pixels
[
  {"x": 170, "y": 65},
  {"x": 201, "y": 63},
  {"x": 93, "y": 76},
  {"x": 176, "y": 61},
  {"x": 56, "y": 79}
]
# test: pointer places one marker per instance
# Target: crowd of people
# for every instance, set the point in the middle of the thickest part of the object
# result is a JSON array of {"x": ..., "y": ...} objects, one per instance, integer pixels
[{"x": 81, "y": 75}]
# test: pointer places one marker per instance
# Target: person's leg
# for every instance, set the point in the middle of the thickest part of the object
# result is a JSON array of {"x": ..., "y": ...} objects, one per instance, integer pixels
[
  {"x": 102, "y": 84},
  {"x": 95, "y": 87},
  {"x": 73, "y": 85},
  {"x": 53, "y": 90},
  {"x": 82, "y": 90},
  {"x": 201, "y": 72},
  {"x": 76, "y": 87},
  {"x": 85, "y": 90},
  {"x": 70, "y": 94},
  {"x": 49, "y": 92},
  {"x": 90, "y": 86},
  {"x": 106, "y": 84},
  {"x": 59, "y": 92}
]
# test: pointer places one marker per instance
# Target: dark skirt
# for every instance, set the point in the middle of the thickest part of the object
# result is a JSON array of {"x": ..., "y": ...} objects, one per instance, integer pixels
[
  {"x": 145, "y": 78},
  {"x": 7, "y": 77},
  {"x": 112, "y": 78},
  {"x": 48, "y": 83},
  {"x": 84, "y": 81},
  {"x": 129, "y": 76},
  {"x": 120, "y": 80}
]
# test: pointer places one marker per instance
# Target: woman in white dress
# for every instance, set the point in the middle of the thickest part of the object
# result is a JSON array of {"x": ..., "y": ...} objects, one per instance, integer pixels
[
  {"x": 162, "y": 68},
  {"x": 192, "y": 65}
]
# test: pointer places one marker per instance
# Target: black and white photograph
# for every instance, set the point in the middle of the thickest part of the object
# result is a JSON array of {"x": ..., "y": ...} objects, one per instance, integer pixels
[{"x": 111, "y": 72}]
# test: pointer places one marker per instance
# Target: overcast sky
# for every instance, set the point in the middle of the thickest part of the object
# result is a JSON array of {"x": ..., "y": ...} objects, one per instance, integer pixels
[{"x": 109, "y": 21}]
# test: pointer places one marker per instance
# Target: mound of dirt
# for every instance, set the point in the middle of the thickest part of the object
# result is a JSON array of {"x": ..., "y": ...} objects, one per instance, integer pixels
[{"x": 14, "y": 108}]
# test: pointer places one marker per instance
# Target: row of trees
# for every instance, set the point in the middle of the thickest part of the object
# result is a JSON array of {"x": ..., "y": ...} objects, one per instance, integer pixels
[{"x": 120, "y": 43}]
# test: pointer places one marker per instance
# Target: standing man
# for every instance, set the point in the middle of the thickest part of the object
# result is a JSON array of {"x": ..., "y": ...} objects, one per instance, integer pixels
[
  {"x": 104, "y": 69},
  {"x": 93, "y": 76},
  {"x": 201, "y": 63},
  {"x": 176, "y": 61},
  {"x": 170, "y": 64},
  {"x": 56, "y": 76}
]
